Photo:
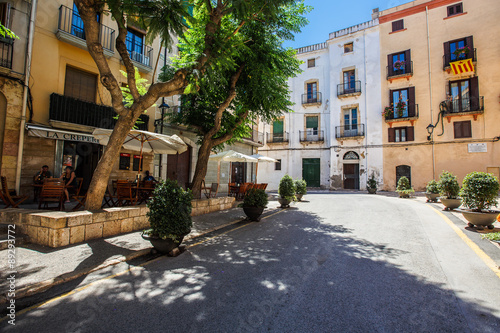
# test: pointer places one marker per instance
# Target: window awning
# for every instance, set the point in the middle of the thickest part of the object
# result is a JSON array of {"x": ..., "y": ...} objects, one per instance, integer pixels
[{"x": 56, "y": 134}]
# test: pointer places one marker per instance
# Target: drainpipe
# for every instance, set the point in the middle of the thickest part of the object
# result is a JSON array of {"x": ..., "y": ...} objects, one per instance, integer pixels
[
  {"x": 366, "y": 106},
  {"x": 430, "y": 90},
  {"x": 31, "y": 34}
]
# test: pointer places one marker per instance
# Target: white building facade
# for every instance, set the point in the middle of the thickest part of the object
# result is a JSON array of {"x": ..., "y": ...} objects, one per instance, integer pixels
[{"x": 333, "y": 139}]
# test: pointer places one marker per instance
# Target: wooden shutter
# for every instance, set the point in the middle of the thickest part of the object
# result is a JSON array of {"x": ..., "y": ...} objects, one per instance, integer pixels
[
  {"x": 397, "y": 25},
  {"x": 447, "y": 54},
  {"x": 392, "y": 135},
  {"x": 474, "y": 94},
  {"x": 390, "y": 65},
  {"x": 312, "y": 122},
  {"x": 467, "y": 129},
  {"x": 457, "y": 130},
  {"x": 408, "y": 61},
  {"x": 410, "y": 133},
  {"x": 81, "y": 85},
  {"x": 469, "y": 41},
  {"x": 412, "y": 108}
]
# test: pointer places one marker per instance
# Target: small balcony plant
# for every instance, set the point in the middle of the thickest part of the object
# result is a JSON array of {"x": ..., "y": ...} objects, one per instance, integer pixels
[
  {"x": 392, "y": 111},
  {"x": 300, "y": 188},
  {"x": 286, "y": 191},
  {"x": 461, "y": 51},
  {"x": 449, "y": 190},
  {"x": 404, "y": 188},
  {"x": 169, "y": 216},
  {"x": 432, "y": 191},
  {"x": 371, "y": 186},
  {"x": 399, "y": 64},
  {"x": 254, "y": 202},
  {"x": 479, "y": 193}
]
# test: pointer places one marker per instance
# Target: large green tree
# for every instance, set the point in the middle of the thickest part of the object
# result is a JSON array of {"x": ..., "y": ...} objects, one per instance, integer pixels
[
  {"x": 165, "y": 18},
  {"x": 247, "y": 81}
]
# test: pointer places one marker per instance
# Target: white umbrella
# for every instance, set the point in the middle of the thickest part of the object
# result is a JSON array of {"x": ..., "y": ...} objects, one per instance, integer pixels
[
  {"x": 262, "y": 158},
  {"x": 144, "y": 141},
  {"x": 230, "y": 156}
]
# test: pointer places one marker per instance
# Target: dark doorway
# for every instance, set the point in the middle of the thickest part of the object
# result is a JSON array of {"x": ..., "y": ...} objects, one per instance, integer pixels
[
  {"x": 238, "y": 172},
  {"x": 403, "y": 170},
  {"x": 311, "y": 171},
  {"x": 351, "y": 176},
  {"x": 83, "y": 157},
  {"x": 178, "y": 167}
]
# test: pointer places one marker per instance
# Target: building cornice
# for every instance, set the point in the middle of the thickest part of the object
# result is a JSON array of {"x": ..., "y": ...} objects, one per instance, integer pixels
[{"x": 399, "y": 14}]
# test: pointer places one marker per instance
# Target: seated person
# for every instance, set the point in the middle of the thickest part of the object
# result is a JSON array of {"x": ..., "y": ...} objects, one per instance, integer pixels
[
  {"x": 149, "y": 177},
  {"x": 69, "y": 178},
  {"x": 41, "y": 175}
]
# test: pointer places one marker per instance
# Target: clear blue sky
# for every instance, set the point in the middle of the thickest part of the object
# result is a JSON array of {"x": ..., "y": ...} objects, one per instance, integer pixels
[{"x": 332, "y": 15}]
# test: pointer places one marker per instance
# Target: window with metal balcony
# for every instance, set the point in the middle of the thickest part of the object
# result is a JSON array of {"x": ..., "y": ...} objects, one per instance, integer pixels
[
  {"x": 138, "y": 51},
  {"x": 402, "y": 105},
  {"x": 459, "y": 49},
  {"x": 399, "y": 65},
  {"x": 6, "y": 52},
  {"x": 349, "y": 88},
  {"x": 311, "y": 135},
  {"x": 463, "y": 97},
  {"x": 349, "y": 131},
  {"x": 277, "y": 137}
]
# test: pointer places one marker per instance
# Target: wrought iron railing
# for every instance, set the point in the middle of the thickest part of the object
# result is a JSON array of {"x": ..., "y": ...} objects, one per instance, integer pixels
[
  {"x": 277, "y": 137},
  {"x": 450, "y": 57},
  {"x": 407, "y": 69},
  {"x": 349, "y": 131},
  {"x": 75, "y": 111},
  {"x": 255, "y": 136},
  {"x": 311, "y": 98},
  {"x": 71, "y": 23},
  {"x": 346, "y": 88},
  {"x": 411, "y": 111},
  {"x": 6, "y": 52},
  {"x": 311, "y": 135},
  {"x": 471, "y": 104},
  {"x": 143, "y": 58}
]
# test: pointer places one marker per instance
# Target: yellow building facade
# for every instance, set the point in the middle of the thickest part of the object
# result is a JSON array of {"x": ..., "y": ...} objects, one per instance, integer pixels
[
  {"x": 449, "y": 118},
  {"x": 68, "y": 100}
]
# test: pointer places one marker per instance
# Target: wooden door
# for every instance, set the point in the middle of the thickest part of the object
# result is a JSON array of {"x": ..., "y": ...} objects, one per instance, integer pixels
[
  {"x": 351, "y": 176},
  {"x": 311, "y": 171},
  {"x": 238, "y": 174},
  {"x": 178, "y": 167}
]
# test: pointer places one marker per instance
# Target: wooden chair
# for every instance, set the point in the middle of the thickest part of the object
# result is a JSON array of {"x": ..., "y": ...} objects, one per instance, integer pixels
[
  {"x": 109, "y": 200},
  {"x": 242, "y": 191},
  {"x": 231, "y": 193},
  {"x": 10, "y": 197},
  {"x": 124, "y": 194},
  {"x": 212, "y": 192},
  {"x": 148, "y": 186},
  {"x": 264, "y": 186},
  {"x": 52, "y": 192}
]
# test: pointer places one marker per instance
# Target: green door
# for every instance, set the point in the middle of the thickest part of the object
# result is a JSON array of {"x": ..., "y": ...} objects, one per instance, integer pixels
[
  {"x": 278, "y": 131},
  {"x": 311, "y": 171}
]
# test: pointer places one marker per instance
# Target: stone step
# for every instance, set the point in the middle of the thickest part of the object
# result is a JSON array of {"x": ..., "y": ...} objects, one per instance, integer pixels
[{"x": 20, "y": 240}]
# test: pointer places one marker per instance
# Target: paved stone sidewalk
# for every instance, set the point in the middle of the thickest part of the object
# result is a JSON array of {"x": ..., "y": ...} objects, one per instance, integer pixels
[{"x": 40, "y": 267}]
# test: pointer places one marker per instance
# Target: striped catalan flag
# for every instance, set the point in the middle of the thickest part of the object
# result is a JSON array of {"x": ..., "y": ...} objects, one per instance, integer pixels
[{"x": 462, "y": 66}]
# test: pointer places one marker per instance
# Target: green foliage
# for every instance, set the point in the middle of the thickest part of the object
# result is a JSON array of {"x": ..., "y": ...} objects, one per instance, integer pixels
[
  {"x": 448, "y": 185},
  {"x": 479, "y": 191},
  {"x": 286, "y": 188},
  {"x": 256, "y": 46},
  {"x": 372, "y": 182},
  {"x": 493, "y": 236},
  {"x": 255, "y": 198},
  {"x": 432, "y": 187},
  {"x": 404, "y": 186},
  {"x": 142, "y": 88},
  {"x": 300, "y": 186},
  {"x": 170, "y": 210}
]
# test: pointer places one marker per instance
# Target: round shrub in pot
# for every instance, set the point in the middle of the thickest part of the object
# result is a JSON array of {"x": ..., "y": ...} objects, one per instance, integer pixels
[
  {"x": 254, "y": 202},
  {"x": 286, "y": 190},
  {"x": 404, "y": 189},
  {"x": 300, "y": 188},
  {"x": 449, "y": 189},
  {"x": 432, "y": 191}
]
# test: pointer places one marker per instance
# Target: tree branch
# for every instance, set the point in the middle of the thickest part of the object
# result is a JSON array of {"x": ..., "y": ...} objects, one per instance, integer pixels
[
  {"x": 208, "y": 4},
  {"x": 229, "y": 134},
  {"x": 88, "y": 14}
]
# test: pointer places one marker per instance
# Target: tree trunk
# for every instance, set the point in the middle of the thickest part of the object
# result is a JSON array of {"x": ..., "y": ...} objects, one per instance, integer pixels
[
  {"x": 100, "y": 178},
  {"x": 201, "y": 166}
]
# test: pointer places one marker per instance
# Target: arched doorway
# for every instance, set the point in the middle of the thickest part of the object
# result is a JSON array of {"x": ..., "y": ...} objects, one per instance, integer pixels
[
  {"x": 351, "y": 171},
  {"x": 403, "y": 170},
  {"x": 3, "y": 115}
]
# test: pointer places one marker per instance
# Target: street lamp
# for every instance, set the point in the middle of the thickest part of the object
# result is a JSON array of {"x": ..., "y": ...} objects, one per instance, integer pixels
[
  {"x": 430, "y": 129},
  {"x": 163, "y": 107}
]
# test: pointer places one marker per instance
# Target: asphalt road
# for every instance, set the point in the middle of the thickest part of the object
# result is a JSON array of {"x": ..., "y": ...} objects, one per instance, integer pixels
[{"x": 335, "y": 263}]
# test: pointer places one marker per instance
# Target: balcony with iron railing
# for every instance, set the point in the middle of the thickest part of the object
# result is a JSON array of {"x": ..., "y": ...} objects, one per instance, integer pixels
[
  {"x": 410, "y": 112},
  {"x": 256, "y": 138},
  {"x": 6, "y": 52},
  {"x": 277, "y": 137},
  {"x": 404, "y": 71},
  {"x": 347, "y": 89},
  {"x": 350, "y": 131},
  {"x": 70, "y": 30},
  {"x": 71, "y": 110},
  {"x": 450, "y": 57},
  {"x": 311, "y": 135},
  {"x": 142, "y": 60},
  {"x": 464, "y": 106},
  {"x": 311, "y": 98}
]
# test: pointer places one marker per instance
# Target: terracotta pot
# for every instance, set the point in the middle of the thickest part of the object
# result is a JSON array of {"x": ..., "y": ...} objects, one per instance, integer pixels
[
  {"x": 299, "y": 196},
  {"x": 253, "y": 213},
  {"x": 450, "y": 203},
  {"x": 284, "y": 202},
  {"x": 432, "y": 197},
  {"x": 163, "y": 245},
  {"x": 480, "y": 219}
]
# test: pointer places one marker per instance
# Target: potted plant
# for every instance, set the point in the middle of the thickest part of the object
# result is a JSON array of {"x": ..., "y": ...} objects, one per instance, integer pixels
[
  {"x": 432, "y": 191},
  {"x": 300, "y": 188},
  {"x": 404, "y": 189},
  {"x": 371, "y": 186},
  {"x": 286, "y": 190},
  {"x": 254, "y": 202},
  {"x": 169, "y": 216},
  {"x": 479, "y": 193},
  {"x": 399, "y": 64},
  {"x": 461, "y": 50},
  {"x": 448, "y": 190}
]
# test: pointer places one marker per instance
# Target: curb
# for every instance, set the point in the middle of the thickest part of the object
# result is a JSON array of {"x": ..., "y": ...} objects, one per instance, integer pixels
[{"x": 42, "y": 286}]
